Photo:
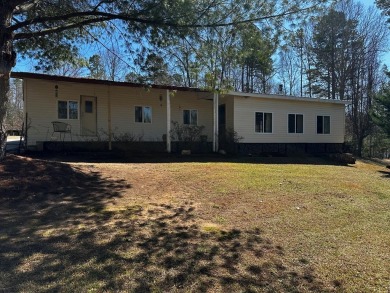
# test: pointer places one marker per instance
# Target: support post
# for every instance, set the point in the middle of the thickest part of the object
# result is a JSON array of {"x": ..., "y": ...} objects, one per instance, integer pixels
[
  {"x": 25, "y": 114},
  {"x": 109, "y": 120},
  {"x": 215, "y": 122},
  {"x": 168, "y": 122}
]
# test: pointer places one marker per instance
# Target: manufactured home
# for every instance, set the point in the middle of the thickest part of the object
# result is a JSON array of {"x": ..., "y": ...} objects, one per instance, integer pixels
[{"x": 82, "y": 110}]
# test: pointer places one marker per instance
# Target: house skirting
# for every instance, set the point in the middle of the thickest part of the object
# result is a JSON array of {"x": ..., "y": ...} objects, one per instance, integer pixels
[
  {"x": 131, "y": 147},
  {"x": 288, "y": 148},
  {"x": 255, "y": 149}
]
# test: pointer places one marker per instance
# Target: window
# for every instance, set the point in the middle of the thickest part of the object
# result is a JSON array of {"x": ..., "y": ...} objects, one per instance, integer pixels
[
  {"x": 88, "y": 107},
  {"x": 68, "y": 110},
  {"x": 323, "y": 124},
  {"x": 138, "y": 114},
  {"x": 295, "y": 123},
  {"x": 62, "y": 110},
  {"x": 73, "y": 109},
  {"x": 190, "y": 117},
  {"x": 263, "y": 122},
  {"x": 143, "y": 114}
]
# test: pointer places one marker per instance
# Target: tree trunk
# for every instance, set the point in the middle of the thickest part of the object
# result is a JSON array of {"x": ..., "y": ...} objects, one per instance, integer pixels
[
  {"x": 359, "y": 147},
  {"x": 7, "y": 61},
  {"x": 243, "y": 78},
  {"x": 187, "y": 69},
  {"x": 309, "y": 78}
]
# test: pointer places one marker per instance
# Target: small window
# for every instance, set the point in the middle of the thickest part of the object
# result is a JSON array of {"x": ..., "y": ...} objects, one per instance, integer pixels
[
  {"x": 62, "y": 110},
  {"x": 190, "y": 117},
  {"x": 323, "y": 124},
  {"x": 73, "y": 109},
  {"x": 263, "y": 122},
  {"x": 295, "y": 123},
  {"x": 138, "y": 114},
  {"x": 147, "y": 114},
  {"x": 88, "y": 106},
  {"x": 68, "y": 110},
  {"x": 143, "y": 114}
]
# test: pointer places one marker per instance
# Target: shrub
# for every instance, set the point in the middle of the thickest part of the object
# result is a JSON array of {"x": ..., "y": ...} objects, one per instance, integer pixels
[
  {"x": 228, "y": 140},
  {"x": 186, "y": 134}
]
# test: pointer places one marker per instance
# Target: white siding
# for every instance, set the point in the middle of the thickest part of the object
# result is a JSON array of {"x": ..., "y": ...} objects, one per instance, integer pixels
[
  {"x": 41, "y": 108},
  {"x": 123, "y": 102},
  {"x": 244, "y": 120},
  {"x": 194, "y": 101}
]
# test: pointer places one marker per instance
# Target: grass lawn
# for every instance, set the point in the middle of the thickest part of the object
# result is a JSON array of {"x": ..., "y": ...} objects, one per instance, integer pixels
[{"x": 256, "y": 225}]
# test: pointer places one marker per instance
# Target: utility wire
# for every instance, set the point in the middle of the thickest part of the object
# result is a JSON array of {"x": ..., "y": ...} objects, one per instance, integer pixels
[{"x": 108, "y": 49}]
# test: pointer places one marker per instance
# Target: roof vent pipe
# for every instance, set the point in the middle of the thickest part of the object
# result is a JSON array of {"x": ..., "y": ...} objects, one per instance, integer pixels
[{"x": 280, "y": 92}]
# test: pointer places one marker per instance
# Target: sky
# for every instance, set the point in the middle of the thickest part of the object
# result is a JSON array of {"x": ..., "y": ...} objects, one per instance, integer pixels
[
  {"x": 386, "y": 55},
  {"x": 368, "y": 2},
  {"x": 28, "y": 65}
]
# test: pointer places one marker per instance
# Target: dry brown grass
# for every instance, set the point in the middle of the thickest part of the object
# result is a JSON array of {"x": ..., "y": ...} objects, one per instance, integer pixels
[{"x": 270, "y": 225}]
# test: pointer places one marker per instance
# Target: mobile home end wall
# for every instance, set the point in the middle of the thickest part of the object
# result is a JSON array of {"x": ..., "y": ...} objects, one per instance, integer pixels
[{"x": 244, "y": 120}]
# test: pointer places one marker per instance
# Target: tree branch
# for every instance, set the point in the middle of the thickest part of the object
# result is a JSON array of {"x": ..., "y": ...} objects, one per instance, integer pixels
[
  {"x": 58, "y": 29},
  {"x": 20, "y": 8},
  {"x": 99, "y": 16},
  {"x": 101, "y": 3}
]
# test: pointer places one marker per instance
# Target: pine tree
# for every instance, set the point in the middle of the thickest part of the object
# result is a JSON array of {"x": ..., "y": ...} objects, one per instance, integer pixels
[{"x": 381, "y": 112}]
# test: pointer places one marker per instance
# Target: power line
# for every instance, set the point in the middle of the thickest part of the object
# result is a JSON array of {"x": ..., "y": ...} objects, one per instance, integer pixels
[{"x": 108, "y": 49}]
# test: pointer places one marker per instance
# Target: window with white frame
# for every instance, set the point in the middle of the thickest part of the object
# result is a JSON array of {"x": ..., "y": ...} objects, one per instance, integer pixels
[
  {"x": 323, "y": 124},
  {"x": 143, "y": 114},
  {"x": 263, "y": 122},
  {"x": 68, "y": 109},
  {"x": 295, "y": 123},
  {"x": 190, "y": 117}
]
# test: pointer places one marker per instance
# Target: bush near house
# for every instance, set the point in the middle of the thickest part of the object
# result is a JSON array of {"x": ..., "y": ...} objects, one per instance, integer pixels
[{"x": 188, "y": 137}]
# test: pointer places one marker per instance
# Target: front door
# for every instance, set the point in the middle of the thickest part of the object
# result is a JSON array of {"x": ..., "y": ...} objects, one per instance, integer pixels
[{"x": 88, "y": 115}]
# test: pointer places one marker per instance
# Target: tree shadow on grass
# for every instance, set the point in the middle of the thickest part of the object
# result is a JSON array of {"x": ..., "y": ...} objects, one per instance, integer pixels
[
  {"x": 385, "y": 174},
  {"x": 58, "y": 236},
  {"x": 175, "y": 254},
  {"x": 45, "y": 207}
]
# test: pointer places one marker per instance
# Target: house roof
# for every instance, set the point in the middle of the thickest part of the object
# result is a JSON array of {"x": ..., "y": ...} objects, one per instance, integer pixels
[
  {"x": 286, "y": 97},
  {"x": 25, "y": 75}
]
